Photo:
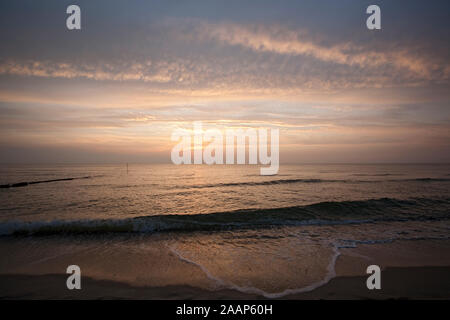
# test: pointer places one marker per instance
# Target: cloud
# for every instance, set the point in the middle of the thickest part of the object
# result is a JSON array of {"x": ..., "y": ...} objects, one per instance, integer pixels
[
  {"x": 282, "y": 40},
  {"x": 199, "y": 55},
  {"x": 123, "y": 71},
  {"x": 320, "y": 90}
]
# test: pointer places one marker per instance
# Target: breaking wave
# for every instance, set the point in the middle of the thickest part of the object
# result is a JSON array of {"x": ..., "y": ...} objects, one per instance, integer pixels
[{"x": 322, "y": 213}]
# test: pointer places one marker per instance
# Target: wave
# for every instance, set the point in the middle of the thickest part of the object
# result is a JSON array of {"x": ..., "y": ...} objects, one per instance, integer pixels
[
  {"x": 425, "y": 180},
  {"x": 322, "y": 213},
  {"x": 377, "y": 174},
  {"x": 24, "y": 184},
  {"x": 331, "y": 273},
  {"x": 244, "y": 183},
  {"x": 261, "y": 183},
  {"x": 288, "y": 181}
]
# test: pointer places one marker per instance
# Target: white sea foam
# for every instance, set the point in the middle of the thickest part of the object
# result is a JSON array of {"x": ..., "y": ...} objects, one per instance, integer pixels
[{"x": 331, "y": 273}]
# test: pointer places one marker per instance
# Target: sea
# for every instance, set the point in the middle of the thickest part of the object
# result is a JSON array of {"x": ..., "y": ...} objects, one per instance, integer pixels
[{"x": 214, "y": 227}]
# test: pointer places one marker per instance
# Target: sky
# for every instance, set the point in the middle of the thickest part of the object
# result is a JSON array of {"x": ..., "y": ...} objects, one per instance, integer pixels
[{"x": 115, "y": 90}]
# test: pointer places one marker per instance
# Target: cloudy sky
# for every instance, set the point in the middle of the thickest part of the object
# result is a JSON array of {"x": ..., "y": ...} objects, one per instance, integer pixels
[{"x": 115, "y": 90}]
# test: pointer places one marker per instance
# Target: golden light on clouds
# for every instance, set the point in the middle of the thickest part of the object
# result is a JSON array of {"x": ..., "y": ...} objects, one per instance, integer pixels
[{"x": 318, "y": 89}]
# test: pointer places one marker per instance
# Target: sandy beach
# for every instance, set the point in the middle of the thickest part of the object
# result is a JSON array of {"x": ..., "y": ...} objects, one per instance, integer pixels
[
  {"x": 403, "y": 277},
  {"x": 399, "y": 283}
]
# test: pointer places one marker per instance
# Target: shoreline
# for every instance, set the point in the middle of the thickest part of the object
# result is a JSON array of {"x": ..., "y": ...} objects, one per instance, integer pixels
[
  {"x": 149, "y": 268},
  {"x": 397, "y": 283}
]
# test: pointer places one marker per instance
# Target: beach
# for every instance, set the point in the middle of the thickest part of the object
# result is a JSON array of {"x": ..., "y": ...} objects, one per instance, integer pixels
[
  {"x": 402, "y": 278},
  {"x": 165, "y": 232}
]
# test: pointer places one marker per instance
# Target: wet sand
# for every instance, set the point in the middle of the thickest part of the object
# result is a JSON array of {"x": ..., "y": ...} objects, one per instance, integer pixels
[
  {"x": 397, "y": 283},
  {"x": 146, "y": 268}
]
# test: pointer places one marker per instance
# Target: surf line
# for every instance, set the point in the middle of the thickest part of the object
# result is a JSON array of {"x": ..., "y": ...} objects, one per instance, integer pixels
[{"x": 331, "y": 273}]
